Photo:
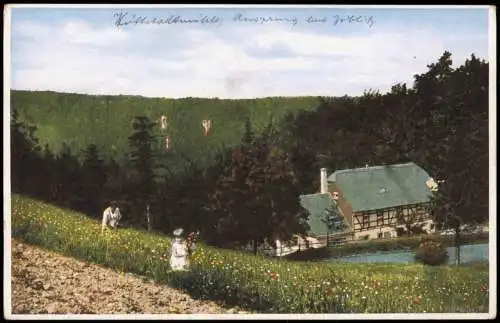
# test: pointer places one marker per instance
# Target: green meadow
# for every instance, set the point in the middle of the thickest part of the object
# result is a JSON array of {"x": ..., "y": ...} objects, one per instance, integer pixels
[{"x": 259, "y": 284}]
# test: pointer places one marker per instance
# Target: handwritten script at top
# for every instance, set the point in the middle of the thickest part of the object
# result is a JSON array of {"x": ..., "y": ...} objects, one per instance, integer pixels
[
  {"x": 123, "y": 19},
  {"x": 343, "y": 19}
]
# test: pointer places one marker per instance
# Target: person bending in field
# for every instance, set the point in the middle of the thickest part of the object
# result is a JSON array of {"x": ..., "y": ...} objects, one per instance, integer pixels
[{"x": 111, "y": 216}]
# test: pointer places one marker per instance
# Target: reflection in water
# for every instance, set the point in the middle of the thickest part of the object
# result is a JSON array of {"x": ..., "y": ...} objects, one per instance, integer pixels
[{"x": 468, "y": 253}]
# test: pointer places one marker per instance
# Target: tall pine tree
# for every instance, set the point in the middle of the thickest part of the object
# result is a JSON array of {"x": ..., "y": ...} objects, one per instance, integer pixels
[
  {"x": 142, "y": 160},
  {"x": 24, "y": 156},
  {"x": 94, "y": 178}
]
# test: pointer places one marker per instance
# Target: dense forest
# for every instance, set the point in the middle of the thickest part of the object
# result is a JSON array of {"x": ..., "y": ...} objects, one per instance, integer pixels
[
  {"x": 241, "y": 181},
  {"x": 77, "y": 121}
]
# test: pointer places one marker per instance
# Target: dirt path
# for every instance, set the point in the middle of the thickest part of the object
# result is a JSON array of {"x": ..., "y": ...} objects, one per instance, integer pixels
[{"x": 45, "y": 282}]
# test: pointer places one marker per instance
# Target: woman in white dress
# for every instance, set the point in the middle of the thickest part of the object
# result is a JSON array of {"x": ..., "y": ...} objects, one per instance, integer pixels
[{"x": 179, "y": 252}]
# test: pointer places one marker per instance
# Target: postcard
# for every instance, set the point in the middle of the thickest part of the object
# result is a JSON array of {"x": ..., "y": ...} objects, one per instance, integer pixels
[{"x": 250, "y": 162}]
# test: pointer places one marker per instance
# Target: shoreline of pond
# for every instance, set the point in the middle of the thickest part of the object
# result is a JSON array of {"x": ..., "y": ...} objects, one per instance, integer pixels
[
  {"x": 470, "y": 253},
  {"x": 400, "y": 244}
]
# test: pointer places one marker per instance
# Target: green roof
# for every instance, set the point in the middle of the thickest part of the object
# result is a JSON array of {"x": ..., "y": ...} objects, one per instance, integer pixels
[
  {"x": 380, "y": 187},
  {"x": 317, "y": 205}
]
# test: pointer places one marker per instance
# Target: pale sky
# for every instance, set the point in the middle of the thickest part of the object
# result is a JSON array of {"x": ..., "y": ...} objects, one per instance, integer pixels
[{"x": 83, "y": 51}]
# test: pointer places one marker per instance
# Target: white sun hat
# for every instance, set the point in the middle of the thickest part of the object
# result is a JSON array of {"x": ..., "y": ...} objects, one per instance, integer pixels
[{"x": 178, "y": 232}]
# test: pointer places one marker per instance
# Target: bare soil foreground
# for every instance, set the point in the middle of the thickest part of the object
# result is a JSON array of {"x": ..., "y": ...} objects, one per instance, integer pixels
[{"x": 46, "y": 282}]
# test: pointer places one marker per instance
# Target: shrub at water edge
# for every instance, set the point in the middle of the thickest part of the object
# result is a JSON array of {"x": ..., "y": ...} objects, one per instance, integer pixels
[{"x": 431, "y": 252}]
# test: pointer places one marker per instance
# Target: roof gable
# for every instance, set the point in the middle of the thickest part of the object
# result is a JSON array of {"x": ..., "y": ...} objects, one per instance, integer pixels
[
  {"x": 317, "y": 205},
  {"x": 381, "y": 187}
]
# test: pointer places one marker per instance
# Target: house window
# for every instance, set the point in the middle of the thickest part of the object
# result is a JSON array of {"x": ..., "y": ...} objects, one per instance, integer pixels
[
  {"x": 380, "y": 219},
  {"x": 387, "y": 235},
  {"x": 387, "y": 215},
  {"x": 366, "y": 221}
]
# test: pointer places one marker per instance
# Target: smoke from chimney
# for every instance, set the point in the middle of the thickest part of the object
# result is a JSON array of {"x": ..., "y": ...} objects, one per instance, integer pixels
[{"x": 324, "y": 181}]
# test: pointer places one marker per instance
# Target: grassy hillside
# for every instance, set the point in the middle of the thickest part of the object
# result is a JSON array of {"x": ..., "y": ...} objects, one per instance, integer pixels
[
  {"x": 265, "y": 285},
  {"x": 80, "y": 120}
]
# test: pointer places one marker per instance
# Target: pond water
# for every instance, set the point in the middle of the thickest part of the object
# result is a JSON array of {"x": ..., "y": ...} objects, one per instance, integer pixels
[{"x": 468, "y": 253}]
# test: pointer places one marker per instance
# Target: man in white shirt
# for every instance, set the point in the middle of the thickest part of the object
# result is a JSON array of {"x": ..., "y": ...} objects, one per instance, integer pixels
[{"x": 111, "y": 216}]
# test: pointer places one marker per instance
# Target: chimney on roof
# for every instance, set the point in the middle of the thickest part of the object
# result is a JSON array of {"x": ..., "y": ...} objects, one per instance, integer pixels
[{"x": 324, "y": 181}]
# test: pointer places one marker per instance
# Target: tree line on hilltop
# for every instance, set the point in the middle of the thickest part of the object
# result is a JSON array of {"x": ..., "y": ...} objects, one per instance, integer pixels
[
  {"x": 78, "y": 120},
  {"x": 250, "y": 191}
]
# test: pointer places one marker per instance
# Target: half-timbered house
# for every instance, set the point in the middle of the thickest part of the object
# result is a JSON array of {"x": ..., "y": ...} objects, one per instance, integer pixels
[{"x": 375, "y": 202}]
